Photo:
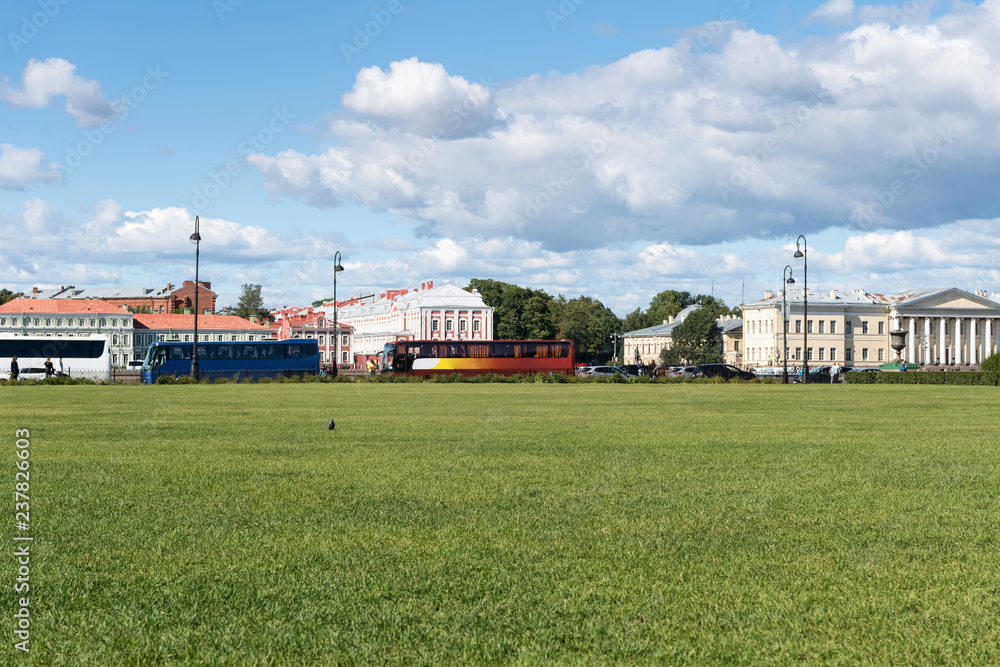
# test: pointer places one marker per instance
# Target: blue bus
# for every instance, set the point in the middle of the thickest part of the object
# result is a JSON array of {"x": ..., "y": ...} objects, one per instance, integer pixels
[{"x": 246, "y": 360}]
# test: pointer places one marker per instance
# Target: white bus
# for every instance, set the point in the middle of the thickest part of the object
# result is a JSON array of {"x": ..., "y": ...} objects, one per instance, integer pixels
[{"x": 82, "y": 356}]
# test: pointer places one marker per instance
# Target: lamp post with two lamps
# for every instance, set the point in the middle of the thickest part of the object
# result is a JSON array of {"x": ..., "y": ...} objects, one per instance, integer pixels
[
  {"x": 337, "y": 268},
  {"x": 196, "y": 240},
  {"x": 800, "y": 253},
  {"x": 784, "y": 320}
]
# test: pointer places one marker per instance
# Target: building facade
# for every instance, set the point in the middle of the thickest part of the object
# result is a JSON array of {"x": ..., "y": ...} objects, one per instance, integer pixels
[
  {"x": 649, "y": 342},
  {"x": 129, "y": 334},
  {"x": 426, "y": 313},
  {"x": 310, "y": 323},
  {"x": 944, "y": 328}
]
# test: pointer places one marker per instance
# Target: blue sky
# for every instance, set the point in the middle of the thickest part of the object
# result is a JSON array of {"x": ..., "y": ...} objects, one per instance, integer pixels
[{"x": 579, "y": 147}]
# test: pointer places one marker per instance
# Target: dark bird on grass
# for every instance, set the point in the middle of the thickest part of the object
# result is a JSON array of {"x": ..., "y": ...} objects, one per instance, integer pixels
[{"x": 331, "y": 425}]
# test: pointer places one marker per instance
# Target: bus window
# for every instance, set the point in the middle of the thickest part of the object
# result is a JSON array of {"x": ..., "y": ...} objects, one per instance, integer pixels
[
  {"x": 159, "y": 357},
  {"x": 457, "y": 351},
  {"x": 180, "y": 352},
  {"x": 273, "y": 352},
  {"x": 294, "y": 352},
  {"x": 479, "y": 351},
  {"x": 503, "y": 350}
]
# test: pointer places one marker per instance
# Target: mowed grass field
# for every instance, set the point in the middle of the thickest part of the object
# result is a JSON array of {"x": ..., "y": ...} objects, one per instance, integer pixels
[{"x": 522, "y": 524}]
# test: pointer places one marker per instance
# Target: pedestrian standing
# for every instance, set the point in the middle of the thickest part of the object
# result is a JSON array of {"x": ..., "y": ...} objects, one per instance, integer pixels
[
  {"x": 49, "y": 368},
  {"x": 15, "y": 370}
]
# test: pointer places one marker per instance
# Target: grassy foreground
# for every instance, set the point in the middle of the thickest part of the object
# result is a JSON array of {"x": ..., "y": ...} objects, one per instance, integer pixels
[{"x": 532, "y": 524}]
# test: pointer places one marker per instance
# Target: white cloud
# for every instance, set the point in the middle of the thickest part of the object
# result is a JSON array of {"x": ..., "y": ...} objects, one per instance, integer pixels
[
  {"x": 834, "y": 11},
  {"x": 23, "y": 166},
  {"x": 422, "y": 99},
  {"x": 755, "y": 140},
  {"x": 55, "y": 77}
]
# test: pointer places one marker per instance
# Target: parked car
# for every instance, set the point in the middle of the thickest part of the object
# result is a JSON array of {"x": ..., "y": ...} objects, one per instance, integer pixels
[
  {"x": 724, "y": 370},
  {"x": 602, "y": 371},
  {"x": 629, "y": 370},
  {"x": 31, "y": 373},
  {"x": 863, "y": 370},
  {"x": 817, "y": 375},
  {"x": 684, "y": 372}
]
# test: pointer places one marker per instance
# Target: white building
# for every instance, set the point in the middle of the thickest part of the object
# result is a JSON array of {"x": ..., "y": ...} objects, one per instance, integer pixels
[
  {"x": 946, "y": 327},
  {"x": 429, "y": 313}
]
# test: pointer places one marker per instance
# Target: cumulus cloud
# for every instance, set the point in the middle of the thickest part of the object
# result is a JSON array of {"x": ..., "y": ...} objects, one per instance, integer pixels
[
  {"x": 23, "y": 166},
  {"x": 421, "y": 98},
  {"x": 45, "y": 79}
]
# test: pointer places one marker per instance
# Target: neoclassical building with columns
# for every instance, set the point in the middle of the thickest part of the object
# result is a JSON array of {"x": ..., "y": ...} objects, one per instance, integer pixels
[{"x": 945, "y": 328}]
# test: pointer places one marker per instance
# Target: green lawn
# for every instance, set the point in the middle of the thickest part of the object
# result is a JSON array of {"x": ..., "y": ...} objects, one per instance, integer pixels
[{"x": 533, "y": 524}]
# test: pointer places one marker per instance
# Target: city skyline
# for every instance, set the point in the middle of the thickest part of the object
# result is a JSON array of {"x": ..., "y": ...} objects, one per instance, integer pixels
[{"x": 574, "y": 147}]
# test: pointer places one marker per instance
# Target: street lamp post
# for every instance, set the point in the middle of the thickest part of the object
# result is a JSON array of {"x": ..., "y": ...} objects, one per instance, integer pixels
[
  {"x": 801, "y": 253},
  {"x": 196, "y": 239},
  {"x": 614, "y": 345},
  {"x": 337, "y": 268},
  {"x": 784, "y": 319}
]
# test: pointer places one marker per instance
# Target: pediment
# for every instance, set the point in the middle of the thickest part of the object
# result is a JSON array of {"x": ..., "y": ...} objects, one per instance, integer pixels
[{"x": 952, "y": 299}]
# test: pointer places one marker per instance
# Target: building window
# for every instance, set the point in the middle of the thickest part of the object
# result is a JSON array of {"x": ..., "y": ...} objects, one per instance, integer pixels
[
  {"x": 475, "y": 325},
  {"x": 736, "y": 346},
  {"x": 881, "y": 354},
  {"x": 848, "y": 353},
  {"x": 343, "y": 357},
  {"x": 343, "y": 340},
  {"x": 250, "y": 337},
  {"x": 798, "y": 326},
  {"x": 798, "y": 353},
  {"x": 38, "y": 321},
  {"x": 187, "y": 338},
  {"x": 322, "y": 340},
  {"x": 881, "y": 328},
  {"x": 821, "y": 323},
  {"x": 322, "y": 355},
  {"x": 447, "y": 325},
  {"x": 864, "y": 354},
  {"x": 434, "y": 325},
  {"x": 809, "y": 326},
  {"x": 833, "y": 326},
  {"x": 114, "y": 359},
  {"x": 93, "y": 321},
  {"x": 833, "y": 354},
  {"x": 114, "y": 339},
  {"x": 233, "y": 337},
  {"x": 3, "y": 321},
  {"x": 48, "y": 321},
  {"x": 864, "y": 327},
  {"x": 461, "y": 326},
  {"x": 821, "y": 351},
  {"x": 848, "y": 328},
  {"x": 809, "y": 354}
]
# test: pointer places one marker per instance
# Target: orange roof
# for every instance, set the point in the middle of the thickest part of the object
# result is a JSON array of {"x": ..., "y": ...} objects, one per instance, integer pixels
[
  {"x": 173, "y": 321},
  {"x": 61, "y": 306}
]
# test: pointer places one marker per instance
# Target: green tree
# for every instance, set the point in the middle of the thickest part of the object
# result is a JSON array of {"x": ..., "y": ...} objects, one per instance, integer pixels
[
  {"x": 251, "y": 303},
  {"x": 6, "y": 295},
  {"x": 518, "y": 312},
  {"x": 696, "y": 340},
  {"x": 667, "y": 304},
  {"x": 589, "y": 324}
]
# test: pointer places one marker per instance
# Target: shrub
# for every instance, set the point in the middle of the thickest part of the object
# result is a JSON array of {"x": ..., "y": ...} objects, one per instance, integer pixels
[
  {"x": 991, "y": 364},
  {"x": 265, "y": 380},
  {"x": 186, "y": 379},
  {"x": 223, "y": 381},
  {"x": 166, "y": 379}
]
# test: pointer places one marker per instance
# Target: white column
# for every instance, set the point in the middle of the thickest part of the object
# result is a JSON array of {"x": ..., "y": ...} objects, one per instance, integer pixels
[
  {"x": 988, "y": 337},
  {"x": 928, "y": 354},
  {"x": 956, "y": 340},
  {"x": 911, "y": 346},
  {"x": 942, "y": 340},
  {"x": 972, "y": 356}
]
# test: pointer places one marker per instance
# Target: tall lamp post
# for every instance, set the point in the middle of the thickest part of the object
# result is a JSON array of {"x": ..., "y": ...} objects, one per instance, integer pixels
[
  {"x": 614, "y": 346},
  {"x": 337, "y": 268},
  {"x": 196, "y": 240},
  {"x": 784, "y": 319},
  {"x": 800, "y": 253}
]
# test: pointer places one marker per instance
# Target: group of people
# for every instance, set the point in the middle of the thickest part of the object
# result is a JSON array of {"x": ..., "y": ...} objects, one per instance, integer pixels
[{"x": 50, "y": 368}]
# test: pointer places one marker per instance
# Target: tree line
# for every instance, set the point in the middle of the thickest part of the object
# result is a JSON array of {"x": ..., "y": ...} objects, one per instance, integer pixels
[{"x": 522, "y": 313}]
